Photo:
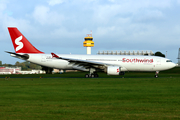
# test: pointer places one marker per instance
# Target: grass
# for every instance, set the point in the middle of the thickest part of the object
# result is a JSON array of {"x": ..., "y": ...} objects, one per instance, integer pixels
[
  {"x": 80, "y": 98},
  {"x": 136, "y": 96}
]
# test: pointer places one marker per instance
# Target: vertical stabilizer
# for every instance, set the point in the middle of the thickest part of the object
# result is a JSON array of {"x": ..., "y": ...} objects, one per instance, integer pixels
[{"x": 20, "y": 43}]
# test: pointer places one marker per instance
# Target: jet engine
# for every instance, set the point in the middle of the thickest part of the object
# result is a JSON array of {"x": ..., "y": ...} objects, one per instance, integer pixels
[{"x": 113, "y": 70}]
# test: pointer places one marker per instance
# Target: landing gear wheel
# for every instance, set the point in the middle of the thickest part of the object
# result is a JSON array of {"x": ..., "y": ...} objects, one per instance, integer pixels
[
  {"x": 96, "y": 75},
  {"x": 87, "y": 76},
  {"x": 92, "y": 75},
  {"x": 156, "y": 76}
]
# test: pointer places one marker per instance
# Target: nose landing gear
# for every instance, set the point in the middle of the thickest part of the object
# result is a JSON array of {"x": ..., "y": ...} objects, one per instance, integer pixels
[{"x": 156, "y": 74}]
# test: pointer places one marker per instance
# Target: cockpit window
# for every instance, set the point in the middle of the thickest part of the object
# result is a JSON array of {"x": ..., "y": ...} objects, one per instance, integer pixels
[{"x": 168, "y": 61}]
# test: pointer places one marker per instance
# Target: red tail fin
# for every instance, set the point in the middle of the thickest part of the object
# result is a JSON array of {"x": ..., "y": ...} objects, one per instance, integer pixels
[{"x": 20, "y": 43}]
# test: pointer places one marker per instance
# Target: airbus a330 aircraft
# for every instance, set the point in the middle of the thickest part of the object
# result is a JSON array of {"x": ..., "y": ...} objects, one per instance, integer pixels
[{"x": 111, "y": 64}]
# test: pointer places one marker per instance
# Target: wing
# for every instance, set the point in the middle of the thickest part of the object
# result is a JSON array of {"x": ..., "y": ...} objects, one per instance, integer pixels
[{"x": 83, "y": 63}]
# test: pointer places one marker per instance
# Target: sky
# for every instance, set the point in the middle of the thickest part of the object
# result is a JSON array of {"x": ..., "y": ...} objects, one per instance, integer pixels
[{"x": 60, "y": 26}]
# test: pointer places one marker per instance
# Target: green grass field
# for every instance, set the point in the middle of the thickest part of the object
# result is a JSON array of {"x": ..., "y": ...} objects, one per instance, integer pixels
[{"x": 136, "y": 96}]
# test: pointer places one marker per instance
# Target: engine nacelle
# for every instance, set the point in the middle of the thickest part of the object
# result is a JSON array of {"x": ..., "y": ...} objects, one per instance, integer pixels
[{"x": 113, "y": 70}]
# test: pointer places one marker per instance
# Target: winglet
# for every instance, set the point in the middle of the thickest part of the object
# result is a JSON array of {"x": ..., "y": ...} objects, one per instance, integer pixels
[{"x": 54, "y": 55}]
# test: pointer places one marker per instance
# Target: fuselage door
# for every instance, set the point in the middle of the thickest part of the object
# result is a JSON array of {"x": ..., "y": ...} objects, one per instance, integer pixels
[
  {"x": 43, "y": 58},
  {"x": 158, "y": 62}
]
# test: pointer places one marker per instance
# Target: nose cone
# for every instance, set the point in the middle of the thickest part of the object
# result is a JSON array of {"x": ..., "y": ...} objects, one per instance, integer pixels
[
  {"x": 172, "y": 65},
  {"x": 166, "y": 65}
]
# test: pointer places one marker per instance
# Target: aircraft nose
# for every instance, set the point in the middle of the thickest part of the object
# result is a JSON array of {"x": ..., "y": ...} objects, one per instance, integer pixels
[{"x": 173, "y": 65}]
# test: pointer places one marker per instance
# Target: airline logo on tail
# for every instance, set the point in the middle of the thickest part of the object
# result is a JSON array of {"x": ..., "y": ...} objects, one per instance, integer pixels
[{"x": 20, "y": 44}]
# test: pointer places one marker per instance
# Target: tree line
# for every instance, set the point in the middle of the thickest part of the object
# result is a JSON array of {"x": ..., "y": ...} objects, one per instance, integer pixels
[{"x": 24, "y": 65}]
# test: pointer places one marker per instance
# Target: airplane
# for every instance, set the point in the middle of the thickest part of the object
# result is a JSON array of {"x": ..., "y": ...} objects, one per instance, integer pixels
[{"x": 111, "y": 64}]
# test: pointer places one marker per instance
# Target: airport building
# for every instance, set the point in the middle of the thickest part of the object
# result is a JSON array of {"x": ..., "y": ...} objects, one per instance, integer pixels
[
  {"x": 17, "y": 70},
  {"x": 146, "y": 52},
  {"x": 9, "y": 70},
  {"x": 31, "y": 72}
]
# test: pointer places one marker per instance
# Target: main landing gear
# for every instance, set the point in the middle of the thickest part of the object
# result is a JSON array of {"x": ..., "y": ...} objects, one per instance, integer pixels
[
  {"x": 48, "y": 70},
  {"x": 156, "y": 74},
  {"x": 92, "y": 73}
]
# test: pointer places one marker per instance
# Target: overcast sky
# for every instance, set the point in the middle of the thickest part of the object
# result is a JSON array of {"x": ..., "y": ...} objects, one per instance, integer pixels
[{"x": 60, "y": 26}]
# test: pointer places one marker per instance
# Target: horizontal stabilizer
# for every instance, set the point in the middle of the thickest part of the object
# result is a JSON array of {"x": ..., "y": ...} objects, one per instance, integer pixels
[{"x": 21, "y": 56}]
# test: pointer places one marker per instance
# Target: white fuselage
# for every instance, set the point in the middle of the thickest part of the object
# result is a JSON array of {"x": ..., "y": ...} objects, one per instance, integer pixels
[{"x": 126, "y": 62}]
